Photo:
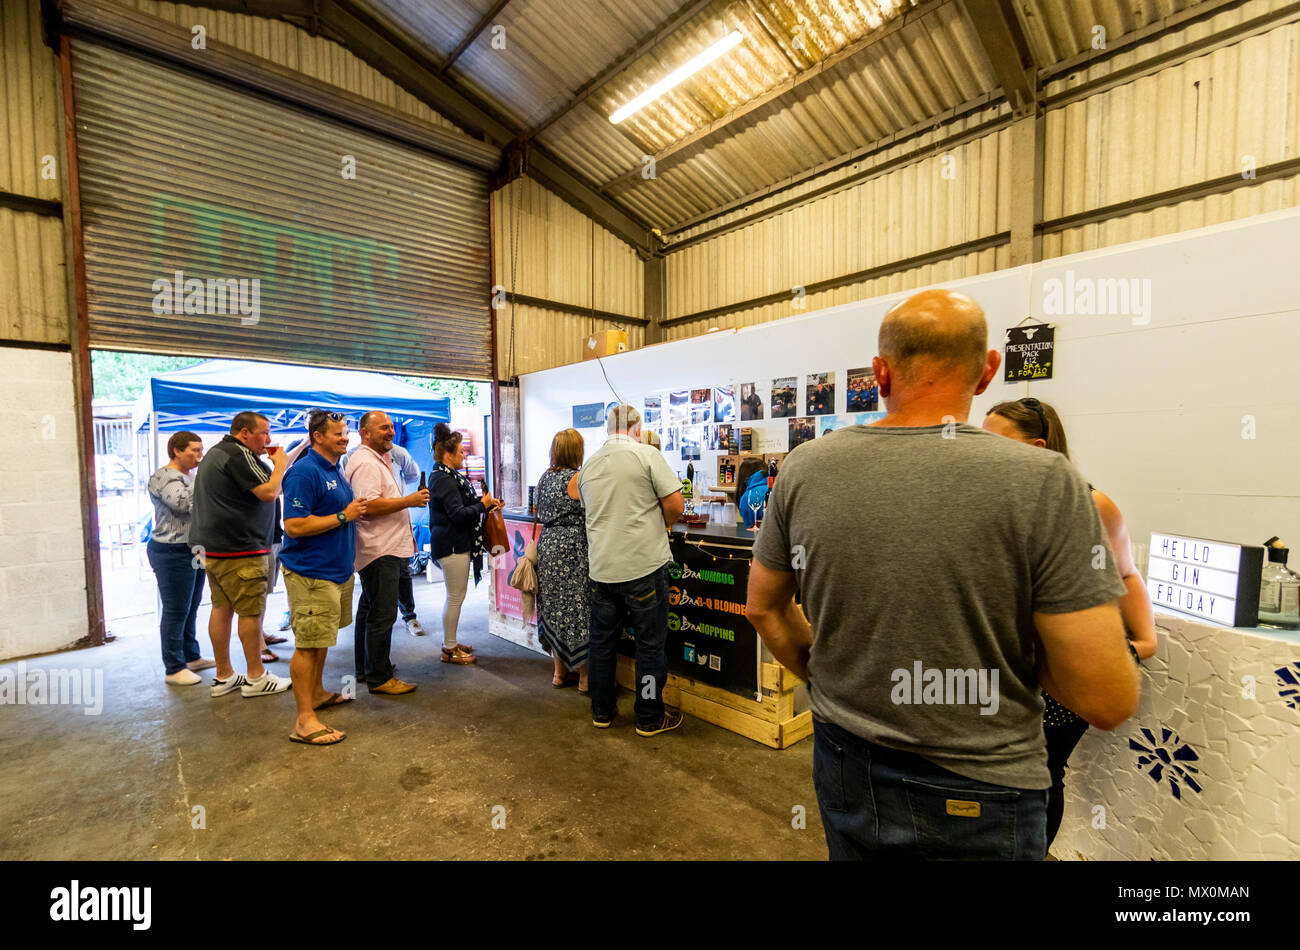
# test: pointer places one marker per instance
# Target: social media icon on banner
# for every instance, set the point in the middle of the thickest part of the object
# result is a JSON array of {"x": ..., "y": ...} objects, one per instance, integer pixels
[{"x": 688, "y": 652}]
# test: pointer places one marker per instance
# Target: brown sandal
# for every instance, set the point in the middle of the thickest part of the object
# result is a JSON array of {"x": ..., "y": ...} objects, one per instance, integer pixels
[
  {"x": 460, "y": 659},
  {"x": 269, "y": 657}
]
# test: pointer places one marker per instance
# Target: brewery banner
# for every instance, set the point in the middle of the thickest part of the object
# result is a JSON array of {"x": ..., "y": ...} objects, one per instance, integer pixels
[{"x": 709, "y": 639}]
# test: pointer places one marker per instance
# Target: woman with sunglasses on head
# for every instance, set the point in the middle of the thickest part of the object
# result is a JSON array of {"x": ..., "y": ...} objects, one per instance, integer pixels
[
  {"x": 1034, "y": 422},
  {"x": 456, "y": 533}
]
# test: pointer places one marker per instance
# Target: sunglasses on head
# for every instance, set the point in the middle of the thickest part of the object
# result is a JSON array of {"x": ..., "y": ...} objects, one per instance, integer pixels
[
  {"x": 1029, "y": 402},
  {"x": 317, "y": 417}
]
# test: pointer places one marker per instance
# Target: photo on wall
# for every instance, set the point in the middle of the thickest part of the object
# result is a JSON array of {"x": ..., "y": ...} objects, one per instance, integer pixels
[
  {"x": 701, "y": 406},
  {"x": 672, "y": 438},
  {"x": 727, "y": 439},
  {"x": 828, "y": 424},
  {"x": 679, "y": 407},
  {"x": 692, "y": 437},
  {"x": 821, "y": 394},
  {"x": 802, "y": 429},
  {"x": 866, "y": 418},
  {"x": 751, "y": 404},
  {"x": 863, "y": 393},
  {"x": 785, "y": 397},
  {"x": 724, "y": 404},
  {"x": 711, "y": 438},
  {"x": 653, "y": 411}
]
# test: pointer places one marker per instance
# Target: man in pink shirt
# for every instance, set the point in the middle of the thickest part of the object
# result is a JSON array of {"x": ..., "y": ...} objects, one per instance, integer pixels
[{"x": 384, "y": 545}]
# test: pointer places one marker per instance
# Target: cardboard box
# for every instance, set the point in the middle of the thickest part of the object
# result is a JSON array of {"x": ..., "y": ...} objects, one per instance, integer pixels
[{"x": 604, "y": 343}]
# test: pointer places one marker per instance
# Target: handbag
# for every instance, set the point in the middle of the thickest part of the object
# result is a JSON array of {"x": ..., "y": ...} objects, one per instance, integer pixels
[{"x": 495, "y": 539}]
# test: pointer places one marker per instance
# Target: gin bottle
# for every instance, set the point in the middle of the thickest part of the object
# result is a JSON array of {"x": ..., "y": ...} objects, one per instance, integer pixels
[{"x": 1279, "y": 590}]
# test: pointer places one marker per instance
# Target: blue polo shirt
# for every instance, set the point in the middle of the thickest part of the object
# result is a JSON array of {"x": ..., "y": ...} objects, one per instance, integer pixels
[{"x": 315, "y": 486}]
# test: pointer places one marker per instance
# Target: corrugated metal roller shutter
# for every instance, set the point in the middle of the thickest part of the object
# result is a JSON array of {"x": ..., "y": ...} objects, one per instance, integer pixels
[{"x": 387, "y": 271}]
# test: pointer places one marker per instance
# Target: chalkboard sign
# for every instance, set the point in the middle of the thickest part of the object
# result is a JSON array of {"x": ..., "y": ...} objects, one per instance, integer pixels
[
  {"x": 709, "y": 639},
  {"x": 1029, "y": 352}
]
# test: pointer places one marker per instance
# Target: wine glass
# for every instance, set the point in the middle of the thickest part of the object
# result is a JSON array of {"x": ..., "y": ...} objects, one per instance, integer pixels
[{"x": 755, "y": 505}]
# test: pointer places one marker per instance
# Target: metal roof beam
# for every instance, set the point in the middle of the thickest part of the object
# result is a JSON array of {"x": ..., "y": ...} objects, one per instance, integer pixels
[
  {"x": 1008, "y": 52},
  {"x": 411, "y": 69},
  {"x": 865, "y": 44},
  {"x": 473, "y": 34},
  {"x": 683, "y": 15}
]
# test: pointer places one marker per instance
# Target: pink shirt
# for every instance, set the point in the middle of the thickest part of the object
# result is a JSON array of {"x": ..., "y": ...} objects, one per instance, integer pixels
[{"x": 371, "y": 476}]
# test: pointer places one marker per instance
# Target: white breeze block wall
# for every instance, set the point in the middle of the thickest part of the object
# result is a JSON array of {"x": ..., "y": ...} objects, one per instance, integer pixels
[
  {"x": 1219, "y": 722},
  {"x": 42, "y": 560}
]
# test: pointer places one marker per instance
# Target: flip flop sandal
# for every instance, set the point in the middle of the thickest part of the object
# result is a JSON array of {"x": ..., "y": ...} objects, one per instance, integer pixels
[
  {"x": 335, "y": 699},
  {"x": 311, "y": 738},
  {"x": 272, "y": 639},
  {"x": 460, "y": 659},
  {"x": 570, "y": 679},
  {"x": 269, "y": 657}
]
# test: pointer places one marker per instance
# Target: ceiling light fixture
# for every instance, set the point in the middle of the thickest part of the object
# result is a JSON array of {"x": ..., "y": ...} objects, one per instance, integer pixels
[{"x": 679, "y": 74}]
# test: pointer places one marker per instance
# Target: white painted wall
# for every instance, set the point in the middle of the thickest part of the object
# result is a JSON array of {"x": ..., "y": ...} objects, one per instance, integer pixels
[
  {"x": 42, "y": 561},
  {"x": 1154, "y": 411}
]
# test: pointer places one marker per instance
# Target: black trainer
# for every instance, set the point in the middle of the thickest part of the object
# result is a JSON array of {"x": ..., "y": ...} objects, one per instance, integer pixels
[
  {"x": 671, "y": 720},
  {"x": 603, "y": 722}
]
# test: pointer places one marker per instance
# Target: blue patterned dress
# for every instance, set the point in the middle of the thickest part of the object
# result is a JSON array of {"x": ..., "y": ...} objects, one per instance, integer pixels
[{"x": 562, "y": 579}]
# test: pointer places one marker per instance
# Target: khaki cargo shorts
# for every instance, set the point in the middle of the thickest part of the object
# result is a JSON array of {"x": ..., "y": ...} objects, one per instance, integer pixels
[
  {"x": 318, "y": 609},
  {"x": 239, "y": 582}
]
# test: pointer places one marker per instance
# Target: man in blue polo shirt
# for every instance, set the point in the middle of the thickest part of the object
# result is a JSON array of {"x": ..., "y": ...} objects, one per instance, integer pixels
[{"x": 319, "y": 549}]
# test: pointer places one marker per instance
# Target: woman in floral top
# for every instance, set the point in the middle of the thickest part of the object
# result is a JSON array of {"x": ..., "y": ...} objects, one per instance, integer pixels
[{"x": 562, "y": 580}]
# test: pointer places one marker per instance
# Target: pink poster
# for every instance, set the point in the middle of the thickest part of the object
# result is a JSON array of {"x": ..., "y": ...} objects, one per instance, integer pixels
[{"x": 519, "y": 532}]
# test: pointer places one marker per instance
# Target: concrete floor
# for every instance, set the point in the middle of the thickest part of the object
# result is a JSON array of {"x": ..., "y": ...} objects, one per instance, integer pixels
[{"x": 418, "y": 777}]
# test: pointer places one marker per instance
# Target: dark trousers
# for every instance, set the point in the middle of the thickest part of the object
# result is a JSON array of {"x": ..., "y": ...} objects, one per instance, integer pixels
[
  {"x": 405, "y": 594},
  {"x": 376, "y": 613},
  {"x": 880, "y": 804},
  {"x": 1061, "y": 741},
  {"x": 640, "y": 605},
  {"x": 180, "y": 585}
]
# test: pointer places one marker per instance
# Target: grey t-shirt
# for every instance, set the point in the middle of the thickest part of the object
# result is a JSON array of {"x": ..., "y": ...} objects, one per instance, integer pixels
[{"x": 917, "y": 553}]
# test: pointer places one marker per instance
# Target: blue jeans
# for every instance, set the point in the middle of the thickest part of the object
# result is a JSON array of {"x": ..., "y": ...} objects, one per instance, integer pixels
[
  {"x": 885, "y": 804},
  {"x": 641, "y": 605},
  {"x": 180, "y": 585}
]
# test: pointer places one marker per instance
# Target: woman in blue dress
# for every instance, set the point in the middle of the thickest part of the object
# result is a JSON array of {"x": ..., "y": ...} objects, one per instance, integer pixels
[{"x": 562, "y": 579}]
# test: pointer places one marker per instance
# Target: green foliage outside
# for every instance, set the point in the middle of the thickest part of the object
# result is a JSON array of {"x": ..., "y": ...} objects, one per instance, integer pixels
[{"x": 122, "y": 377}]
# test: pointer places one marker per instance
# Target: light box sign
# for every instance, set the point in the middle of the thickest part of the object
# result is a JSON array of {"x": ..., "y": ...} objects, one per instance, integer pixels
[{"x": 1212, "y": 580}]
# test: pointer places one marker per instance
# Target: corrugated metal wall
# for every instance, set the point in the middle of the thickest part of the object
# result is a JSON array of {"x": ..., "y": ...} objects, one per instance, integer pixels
[
  {"x": 940, "y": 201},
  {"x": 1183, "y": 125},
  {"x": 296, "y": 49},
  {"x": 546, "y": 248},
  {"x": 1198, "y": 120},
  {"x": 33, "y": 293}
]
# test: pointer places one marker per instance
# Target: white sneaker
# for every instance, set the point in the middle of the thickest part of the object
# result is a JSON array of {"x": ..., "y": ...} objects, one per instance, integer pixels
[
  {"x": 202, "y": 663},
  {"x": 413, "y": 628},
  {"x": 184, "y": 678},
  {"x": 268, "y": 683},
  {"x": 285, "y": 621},
  {"x": 229, "y": 685}
]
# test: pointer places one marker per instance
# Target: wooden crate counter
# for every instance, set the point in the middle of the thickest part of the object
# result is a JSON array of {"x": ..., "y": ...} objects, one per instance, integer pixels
[{"x": 718, "y": 668}]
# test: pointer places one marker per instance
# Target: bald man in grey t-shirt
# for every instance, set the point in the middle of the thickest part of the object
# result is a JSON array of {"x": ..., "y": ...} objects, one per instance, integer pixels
[{"x": 945, "y": 573}]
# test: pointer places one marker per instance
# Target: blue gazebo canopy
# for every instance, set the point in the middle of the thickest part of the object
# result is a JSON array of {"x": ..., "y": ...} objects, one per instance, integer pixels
[{"x": 206, "y": 397}]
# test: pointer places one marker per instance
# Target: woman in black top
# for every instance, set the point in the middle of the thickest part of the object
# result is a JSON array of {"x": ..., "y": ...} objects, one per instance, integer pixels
[
  {"x": 455, "y": 533},
  {"x": 1036, "y": 423}
]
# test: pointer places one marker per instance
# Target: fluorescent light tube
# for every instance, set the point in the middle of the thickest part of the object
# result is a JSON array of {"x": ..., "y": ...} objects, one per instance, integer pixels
[{"x": 679, "y": 74}]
